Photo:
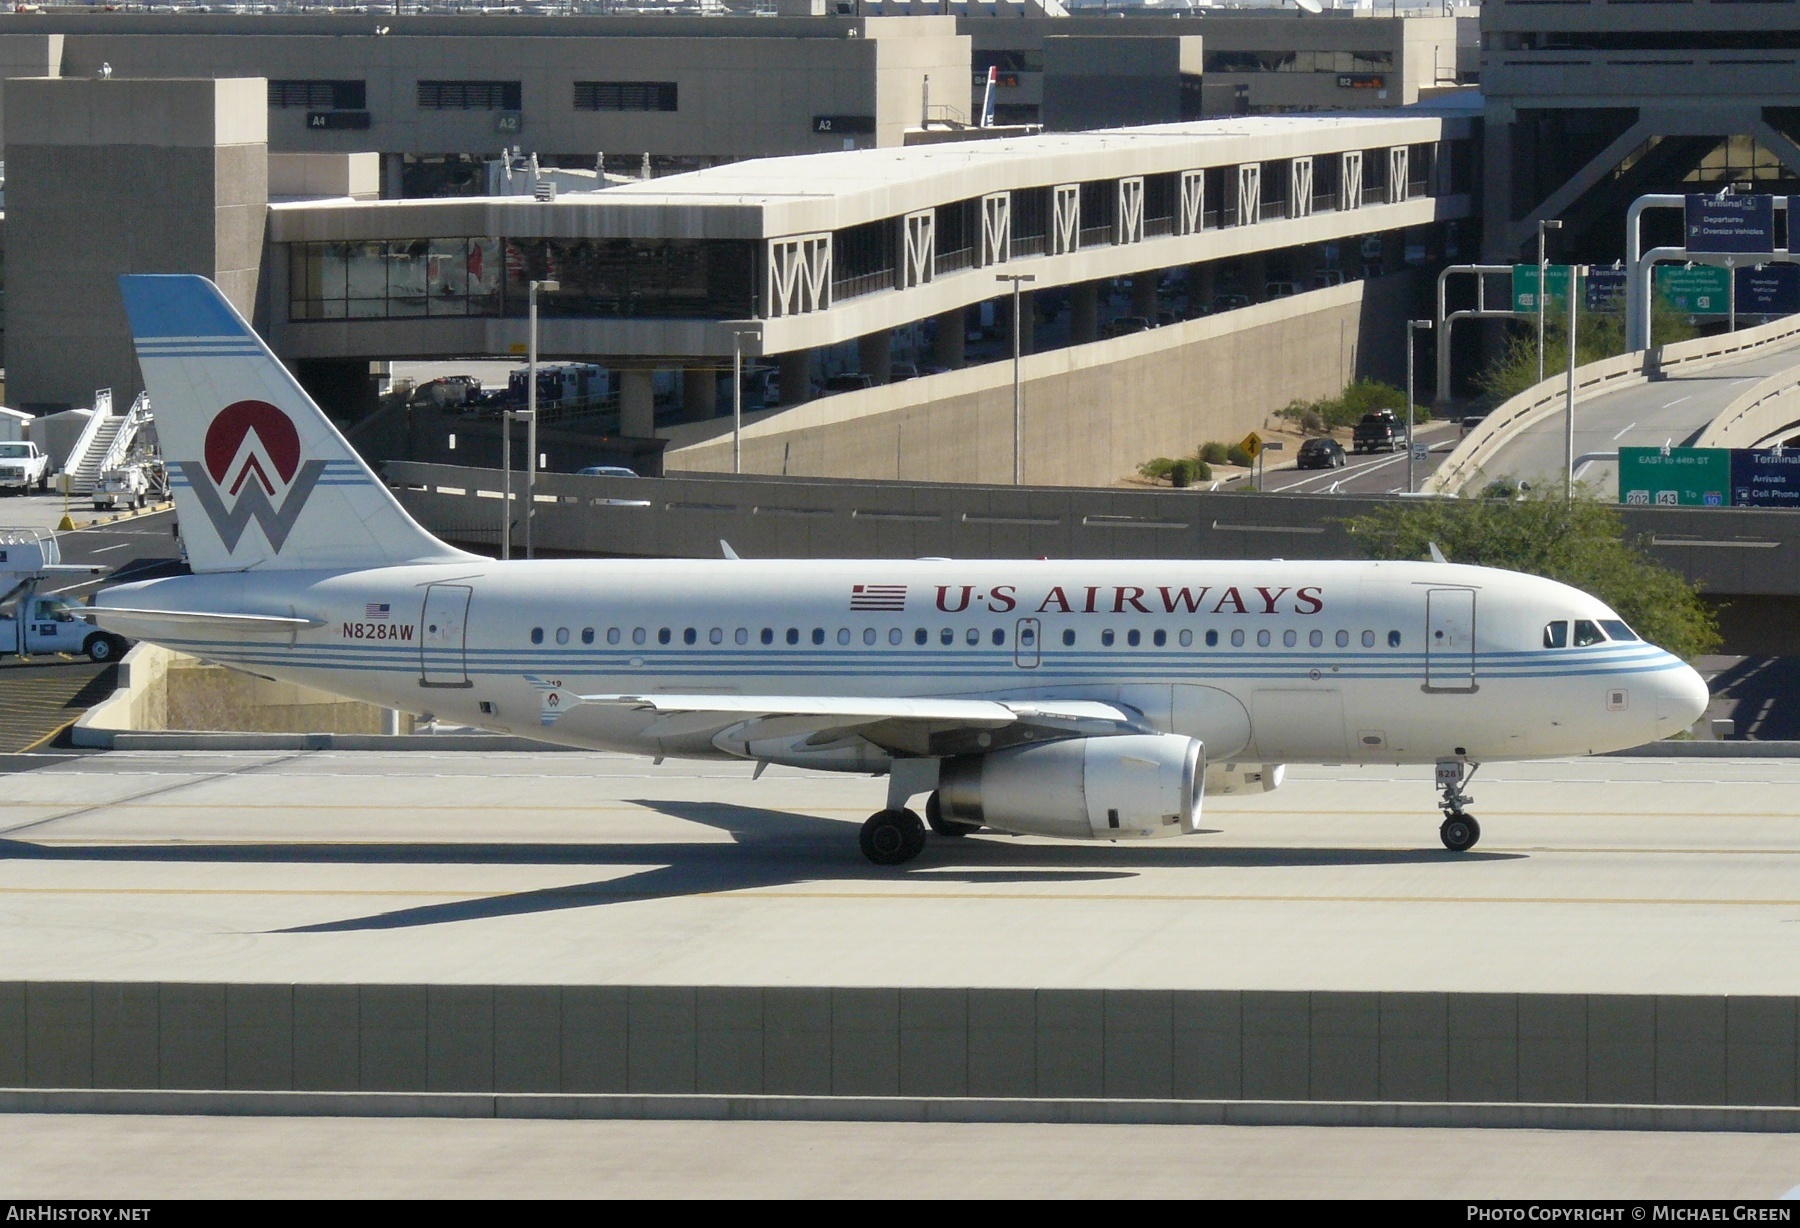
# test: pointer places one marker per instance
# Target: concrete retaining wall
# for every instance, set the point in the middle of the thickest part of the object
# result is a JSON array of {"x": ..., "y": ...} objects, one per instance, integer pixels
[
  {"x": 1093, "y": 413},
  {"x": 1201, "y": 1045}
]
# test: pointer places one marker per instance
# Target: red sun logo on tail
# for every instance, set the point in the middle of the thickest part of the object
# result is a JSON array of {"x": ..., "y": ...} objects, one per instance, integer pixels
[
  {"x": 277, "y": 443},
  {"x": 252, "y": 451}
]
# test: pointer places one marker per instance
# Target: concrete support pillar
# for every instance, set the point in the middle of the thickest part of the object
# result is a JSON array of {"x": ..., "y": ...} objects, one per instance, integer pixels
[
  {"x": 952, "y": 334},
  {"x": 1143, "y": 294},
  {"x": 1084, "y": 313},
  {"x": 637, "y": 403},
  {"x": 1256, "y": 276},
  {"x": 699, "y": 394},
  {"x": 875, "y": 354},
  {"x": 393, "y": 176},
  {"x": 796, "y": 377},
  {"x": 1203, "y": 285}
]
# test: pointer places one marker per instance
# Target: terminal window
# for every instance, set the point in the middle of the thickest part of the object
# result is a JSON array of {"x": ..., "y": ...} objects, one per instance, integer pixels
[
  {"x": 319, "y": 95},
  {"x": 469, "y": 96},
  {"x": 643, "y": 278},
  {"x": 625, "y": 96},
  {"x": 1299, "y": 61}
]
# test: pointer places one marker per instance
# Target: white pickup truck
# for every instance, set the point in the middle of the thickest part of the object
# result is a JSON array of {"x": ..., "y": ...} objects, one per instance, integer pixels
[
  {"x": 22, "y": 466},
  {"x": 53, "y": 624}
]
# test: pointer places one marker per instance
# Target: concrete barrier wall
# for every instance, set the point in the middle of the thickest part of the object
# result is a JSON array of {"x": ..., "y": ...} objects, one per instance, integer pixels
[
  {"x": 1093, "y": 412},
  {"x": 1223, "y": 1045},
  {"x": 1730, "y": 552},
  {"x": 1772, "y": 406}
]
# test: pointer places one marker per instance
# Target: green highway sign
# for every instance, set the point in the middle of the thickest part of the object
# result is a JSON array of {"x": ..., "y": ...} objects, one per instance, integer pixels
[
  {"x": 1678, "y": 477},
  {"x": 1524, "y": 288},
  {"x": 1700, "y": 290}
]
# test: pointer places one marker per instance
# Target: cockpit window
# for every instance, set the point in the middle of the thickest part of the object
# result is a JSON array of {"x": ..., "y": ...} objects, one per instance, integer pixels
[
  {"x": 1587, "y": 633},
  {"x": 1556, "y": 635},
  {"x": 1617, "y": 630}
]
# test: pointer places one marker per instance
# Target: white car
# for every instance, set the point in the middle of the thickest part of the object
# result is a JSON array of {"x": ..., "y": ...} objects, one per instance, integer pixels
[{"x": 22, "y": 466}]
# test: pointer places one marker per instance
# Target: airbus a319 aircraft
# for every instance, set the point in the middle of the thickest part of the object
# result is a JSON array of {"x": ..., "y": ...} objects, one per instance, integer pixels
[{"x": 1069, "y": 698}]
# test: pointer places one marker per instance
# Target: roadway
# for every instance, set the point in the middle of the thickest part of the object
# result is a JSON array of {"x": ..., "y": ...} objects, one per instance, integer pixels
[
  {"x": 1669, "y": 411},
  {"x": 568, "y": 868}
]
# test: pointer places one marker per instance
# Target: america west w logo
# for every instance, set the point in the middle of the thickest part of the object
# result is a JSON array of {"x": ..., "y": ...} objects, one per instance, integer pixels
[{"x": 252, "y": 452}]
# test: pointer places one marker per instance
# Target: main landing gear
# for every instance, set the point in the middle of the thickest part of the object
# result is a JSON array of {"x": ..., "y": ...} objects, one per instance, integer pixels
[
  {"x": 1460, "y": 831},
  {"x": 895, "y": 836}
]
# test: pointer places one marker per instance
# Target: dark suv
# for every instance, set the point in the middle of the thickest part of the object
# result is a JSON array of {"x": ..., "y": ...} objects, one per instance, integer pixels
[{"x": 1379, "y": 432}]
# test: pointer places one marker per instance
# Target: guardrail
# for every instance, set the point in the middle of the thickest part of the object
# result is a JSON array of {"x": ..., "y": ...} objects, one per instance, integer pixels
[
  {"x": 1540, "y": 401},
  {"x": 1774, "y": 403}
]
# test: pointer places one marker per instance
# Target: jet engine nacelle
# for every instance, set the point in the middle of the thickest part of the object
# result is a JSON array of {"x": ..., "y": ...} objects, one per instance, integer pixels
[{"x": 1134, "y": 786}]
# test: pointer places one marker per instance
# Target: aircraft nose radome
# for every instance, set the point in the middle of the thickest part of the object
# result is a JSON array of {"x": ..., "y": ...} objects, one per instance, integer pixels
[{"x": 1683, "y": 699}]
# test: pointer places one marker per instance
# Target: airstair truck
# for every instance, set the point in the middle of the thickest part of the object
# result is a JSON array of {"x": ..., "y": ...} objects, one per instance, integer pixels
[{"x": 33, "y": 621}]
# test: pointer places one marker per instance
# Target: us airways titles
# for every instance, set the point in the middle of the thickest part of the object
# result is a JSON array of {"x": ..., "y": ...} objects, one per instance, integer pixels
[{"x": 1133, "y": 599}]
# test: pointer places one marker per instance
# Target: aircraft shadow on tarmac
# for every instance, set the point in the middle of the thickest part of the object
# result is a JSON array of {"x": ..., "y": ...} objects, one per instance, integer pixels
[{"x": 770, "y": 849}]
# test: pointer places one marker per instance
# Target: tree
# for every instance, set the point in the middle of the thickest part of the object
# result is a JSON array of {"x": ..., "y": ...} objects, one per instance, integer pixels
[{"x": 1582, "y": 543}]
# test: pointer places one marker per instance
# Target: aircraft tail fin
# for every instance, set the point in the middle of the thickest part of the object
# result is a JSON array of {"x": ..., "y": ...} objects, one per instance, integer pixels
[{"x": 261, "y": 477}]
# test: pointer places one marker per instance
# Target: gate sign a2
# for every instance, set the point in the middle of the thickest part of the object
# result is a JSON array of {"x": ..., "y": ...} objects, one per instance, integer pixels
[{"x": 1730, "y": 224}]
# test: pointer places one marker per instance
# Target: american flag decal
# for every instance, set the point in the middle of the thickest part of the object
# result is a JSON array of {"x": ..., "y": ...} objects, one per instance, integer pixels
[
  {"x": 878, "y": 596},
  {"x": 375, "y": 610}
]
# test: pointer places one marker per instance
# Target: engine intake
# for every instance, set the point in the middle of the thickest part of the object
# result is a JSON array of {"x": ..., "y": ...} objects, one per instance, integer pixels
[{"x": 1135, "y": 786}]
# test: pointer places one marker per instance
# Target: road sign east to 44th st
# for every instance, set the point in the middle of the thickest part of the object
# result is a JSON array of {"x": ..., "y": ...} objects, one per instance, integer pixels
[
  {"x": 1730, "y": 223},
  {"x": 1524, "y": 287},
  {"x": 1678, "y": 477}
]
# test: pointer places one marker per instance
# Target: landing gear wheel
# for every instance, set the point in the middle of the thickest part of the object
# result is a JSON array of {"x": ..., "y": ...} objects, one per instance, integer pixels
[
  {"x": 892, "y": 837},
  {"x": 934, "y": 815},
  {"x": 1459, "y": 832}
]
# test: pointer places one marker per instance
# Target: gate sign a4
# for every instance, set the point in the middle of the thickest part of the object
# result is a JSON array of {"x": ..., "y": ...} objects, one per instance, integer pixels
[{"x": 1730, "y": 224}]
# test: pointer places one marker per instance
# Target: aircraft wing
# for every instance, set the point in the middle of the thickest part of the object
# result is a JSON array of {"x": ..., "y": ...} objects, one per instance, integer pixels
[{"x": 903, "y": 723}]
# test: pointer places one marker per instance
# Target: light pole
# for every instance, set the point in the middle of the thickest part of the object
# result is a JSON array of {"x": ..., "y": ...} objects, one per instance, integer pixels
[
  {"x": 737, "y": 397},
  {"x": 1542, "y": 289},
  {"x": 531, "y": 394},
  {"x": 1576, "y": 273},
  {"x": 1018, "y": 393},
  {"x": 1412, "y": 328}
]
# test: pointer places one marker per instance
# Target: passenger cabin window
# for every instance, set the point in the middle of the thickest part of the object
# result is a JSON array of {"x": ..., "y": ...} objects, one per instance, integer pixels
[
  {"x": 843, "y": 635},
  {"x": 587, "y": 635},
  {"x": 662, "y": 635},
  {"x": 1068, "y": 639},
  {"x": 1160, "y": 638},
  {"x": 637, "y": 635},
  {"x": 768, "y": 635},
  {"x": 818, "y": 635},
  {"x": 894, "y": 636},
  {"x": 689, "y": 636},
  {"x": 947, "y": 637},
  {"x": 1556, "y": 635},
  {"x": 612, "y": 635},
  {"x": 1187, "y": 639},
  {"x": 742, "y": 635},
  {"x": 1133, "y": 638},
  {"x": 1368, "y": 639},
  {"x": 1587, "y": 633},
  {"x": 1616, "y": 630},
  {"x": 1106, "y": 638},
  {"x": 562, "y": 635},
  {"x": 1393, "y": 639},
  {"x": 1343, "y": 639},
  {"x": 537, "y": 635},
  {"x": 921, "y": 635},
  {"x": 1000, "y": 637},
  {"x": 1262, "y": 639},
  {"x": 1212, "y": 639},
  {"x": 1237, "y": 639},
  {"x": 973, "y": 636},
  {"x": 793, "y": 635}
]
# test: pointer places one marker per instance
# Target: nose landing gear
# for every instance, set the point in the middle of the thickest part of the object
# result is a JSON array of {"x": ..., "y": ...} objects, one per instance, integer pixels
[{"x": 1460, "y": 831}]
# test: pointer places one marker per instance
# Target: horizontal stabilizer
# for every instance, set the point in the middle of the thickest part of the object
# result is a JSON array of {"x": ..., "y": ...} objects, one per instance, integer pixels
[{"x": 113, "y": 617}]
